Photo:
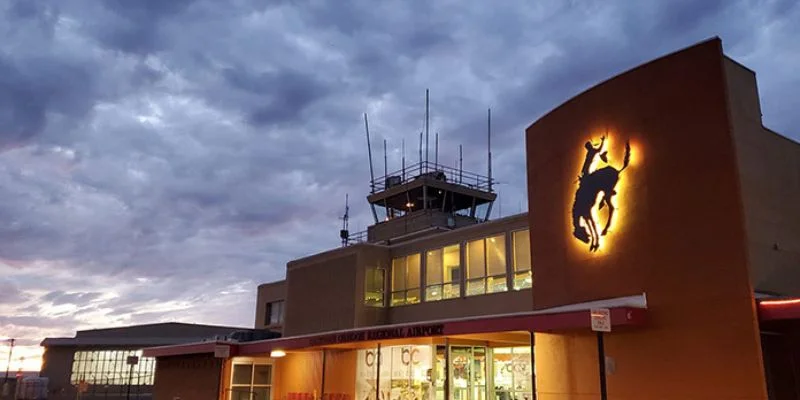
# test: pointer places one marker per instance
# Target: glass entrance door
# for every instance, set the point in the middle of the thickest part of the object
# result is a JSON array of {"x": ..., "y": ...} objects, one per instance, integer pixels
[{"x": 468, "y": 373}]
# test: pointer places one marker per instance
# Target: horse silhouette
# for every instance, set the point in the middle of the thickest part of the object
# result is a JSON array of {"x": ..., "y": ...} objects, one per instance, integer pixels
[{"x": 590, "y": 185}]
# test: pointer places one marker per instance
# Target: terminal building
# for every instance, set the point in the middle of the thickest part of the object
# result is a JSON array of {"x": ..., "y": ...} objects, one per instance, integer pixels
[{"x": 659, "y": 259}]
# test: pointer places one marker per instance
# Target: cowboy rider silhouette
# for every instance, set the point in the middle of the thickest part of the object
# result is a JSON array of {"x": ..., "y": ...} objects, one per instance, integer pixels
[{"x": 591, "y": 152}]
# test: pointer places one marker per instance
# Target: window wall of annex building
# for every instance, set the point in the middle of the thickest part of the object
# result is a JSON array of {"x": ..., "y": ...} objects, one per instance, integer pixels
[
  {"x": 495, "y": 263},
  {"x": 110, "y": 373}
]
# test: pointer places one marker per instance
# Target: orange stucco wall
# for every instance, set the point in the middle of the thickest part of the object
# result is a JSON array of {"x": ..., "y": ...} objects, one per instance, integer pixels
[
  {"x": 297, "y": 373},
  {"x": 678, "y": 236}
]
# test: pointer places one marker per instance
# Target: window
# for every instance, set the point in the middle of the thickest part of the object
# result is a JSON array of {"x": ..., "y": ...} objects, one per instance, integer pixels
[
  {"x": 274, "y": 313},
  {"x": 486, "y": 265},
  {"x": 251, "y": 381},
  {"x": 110, "y": 367},
  {"x": 374, "y": 287},
  {"x": 443, "y": 273},
  {"x": 523, "y": 278},
  {"x": 405, "y": 280},
  {"x": 513, "y": 372}
]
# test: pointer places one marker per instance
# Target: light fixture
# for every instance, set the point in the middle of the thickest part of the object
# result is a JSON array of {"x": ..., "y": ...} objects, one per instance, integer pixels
[{"x": 277, "y": 353}]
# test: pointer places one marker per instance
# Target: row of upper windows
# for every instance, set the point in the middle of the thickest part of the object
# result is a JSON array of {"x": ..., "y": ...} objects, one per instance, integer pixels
[{"x": 486, "y": 269}]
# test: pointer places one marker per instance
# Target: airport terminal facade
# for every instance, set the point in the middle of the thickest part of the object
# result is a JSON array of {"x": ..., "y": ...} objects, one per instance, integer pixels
[{"x": 659, "y": 259}]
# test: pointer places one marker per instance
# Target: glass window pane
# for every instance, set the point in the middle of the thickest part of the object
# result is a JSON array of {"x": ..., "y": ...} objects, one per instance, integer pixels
[
  {"x": 433, "y": 273},
  {"x": 523, "y": 280},
  {"x": 452, "y": 263},
  {"x": 476, "y": 262},
  {"x": 412, "y": 296},
  {"x": 242, "y": 374},
  {"x": 398, "y": 298},
  {"x": 263, "y": 375},
  {"x": 373, "y": 287},
  {"x": 496, "y": 255},
  {"x": 398, "y": 274},
  {"x": 240, "y": 393},
  {"x": 476, "y": 287},
  {"x": 451, "y": 291},
  {"x": 261, "y": 393},
  {"x": 522, "y": 250},
  {"x": 413, "y": 267},
  {"x": 497, "y": 284},
  {"x": 433, "y": 293}
]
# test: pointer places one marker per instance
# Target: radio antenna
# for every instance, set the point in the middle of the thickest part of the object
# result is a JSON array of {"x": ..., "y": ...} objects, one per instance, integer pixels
[
  {"x": 427, "y": 118},
  {"x": 460, "y": 163},
  {"x": 436, "y": 153},
  {"x": 489, "y": 146},
  {"x": 369, "y": 151},
  {"x": 403, "y": 162},
  {"x": 385, "y": 163},
  {"x": 420, "y": 149},
  {"x": 344, "y": 234}
]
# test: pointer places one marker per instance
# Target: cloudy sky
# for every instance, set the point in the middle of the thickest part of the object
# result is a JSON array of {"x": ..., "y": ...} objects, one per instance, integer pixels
[{"x": 159, "y": 159}]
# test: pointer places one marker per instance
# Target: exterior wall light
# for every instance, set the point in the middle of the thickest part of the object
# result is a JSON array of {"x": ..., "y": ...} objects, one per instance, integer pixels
[{"x": 277, "y": 353}]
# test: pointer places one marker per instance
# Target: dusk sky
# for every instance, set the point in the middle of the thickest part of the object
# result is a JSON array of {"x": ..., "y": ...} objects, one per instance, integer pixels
[{"x": 161, "y": 158}]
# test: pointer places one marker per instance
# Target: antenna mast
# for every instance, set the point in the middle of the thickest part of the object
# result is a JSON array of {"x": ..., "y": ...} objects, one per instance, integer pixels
[
  {"x": 420, "y": 149},
  {"x": 460, "y": 163},
  {"x": 436, "y": 153},
  {"x": 403, "y": 162},
  {"x": 369, "y": 151},
  {"x": 427, "y": 118},
  {"x": 489, "y": 137},
  {"x": 344, "y": 234},
  {"x": 385, "y": 163}
]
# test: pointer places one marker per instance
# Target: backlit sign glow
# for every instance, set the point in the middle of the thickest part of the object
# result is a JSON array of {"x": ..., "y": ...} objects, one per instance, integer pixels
[{"x": 597, "y": 186}]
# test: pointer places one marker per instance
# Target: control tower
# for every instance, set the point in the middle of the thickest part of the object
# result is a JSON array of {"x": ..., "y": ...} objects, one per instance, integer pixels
[{"x": 427, "y": 197}]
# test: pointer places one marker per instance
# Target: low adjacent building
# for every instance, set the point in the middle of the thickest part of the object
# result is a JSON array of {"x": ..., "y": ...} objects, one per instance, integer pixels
[{"x": 109, "y": 364}]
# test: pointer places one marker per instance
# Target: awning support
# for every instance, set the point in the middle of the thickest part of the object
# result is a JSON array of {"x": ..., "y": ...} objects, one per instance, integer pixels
[
  {"x": 322, "y": 391},
  {"x": 533, "y": 368},
  {"x": 378, "y": 374},
  {"x": 601, "y": 360}
]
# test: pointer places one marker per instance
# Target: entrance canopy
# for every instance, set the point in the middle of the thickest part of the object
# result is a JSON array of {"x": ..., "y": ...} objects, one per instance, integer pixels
[
  {"x": 779, "y": 309},
  {"x": 624, "y": 312}
]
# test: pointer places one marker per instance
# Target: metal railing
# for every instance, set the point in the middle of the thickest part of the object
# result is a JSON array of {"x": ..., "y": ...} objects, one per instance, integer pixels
[
  {"x": 356, "y": 237},
  {"x": 433, "y": 170}
]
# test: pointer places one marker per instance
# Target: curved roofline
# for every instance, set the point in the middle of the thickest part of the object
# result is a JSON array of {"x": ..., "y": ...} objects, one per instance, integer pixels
[{"x": 713, "y": 39}]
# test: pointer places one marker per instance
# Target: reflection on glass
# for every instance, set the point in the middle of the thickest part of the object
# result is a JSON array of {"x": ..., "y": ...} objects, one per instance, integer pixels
[
  {"x": 522, "y": 260},
  {"x": 513, "y": 373},
  {"x": 242, "y": 374},
  {"x": 468, "y": 372},
  {"x": 251, "y": 381},
  {"x": 374, "y": 287},
  {"x": 110, "y": 367},
  {"x": 406, "y": 280},
  {"x": 523, "y": 280},
  {"x": 406, "y": 373},
  {"x": 260, "y": 393}
]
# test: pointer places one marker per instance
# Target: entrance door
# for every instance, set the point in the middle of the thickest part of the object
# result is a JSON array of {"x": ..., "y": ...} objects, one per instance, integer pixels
[{"x": 468, "y": 373}]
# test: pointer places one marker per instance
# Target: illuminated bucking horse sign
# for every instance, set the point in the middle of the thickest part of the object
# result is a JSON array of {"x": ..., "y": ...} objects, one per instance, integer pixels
[{"x": 591, "y": 184}]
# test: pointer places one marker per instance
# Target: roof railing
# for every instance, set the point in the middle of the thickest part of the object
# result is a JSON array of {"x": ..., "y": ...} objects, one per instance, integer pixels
[{"x": 430, "y": 169}]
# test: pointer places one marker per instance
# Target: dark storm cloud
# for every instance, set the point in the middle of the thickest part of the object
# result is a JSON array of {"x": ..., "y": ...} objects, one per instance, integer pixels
[
  {"x": 135, "y": 26},
  {"x": 279, "y": 97},
  {"x": 162, "y": 158},
  {"x": 33, "y": 89}
]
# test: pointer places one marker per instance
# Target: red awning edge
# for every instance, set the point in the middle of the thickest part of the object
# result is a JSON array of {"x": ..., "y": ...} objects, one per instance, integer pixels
[
  {"x": 779, "y": 309},
  {"x": 622, "y": 316}
]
